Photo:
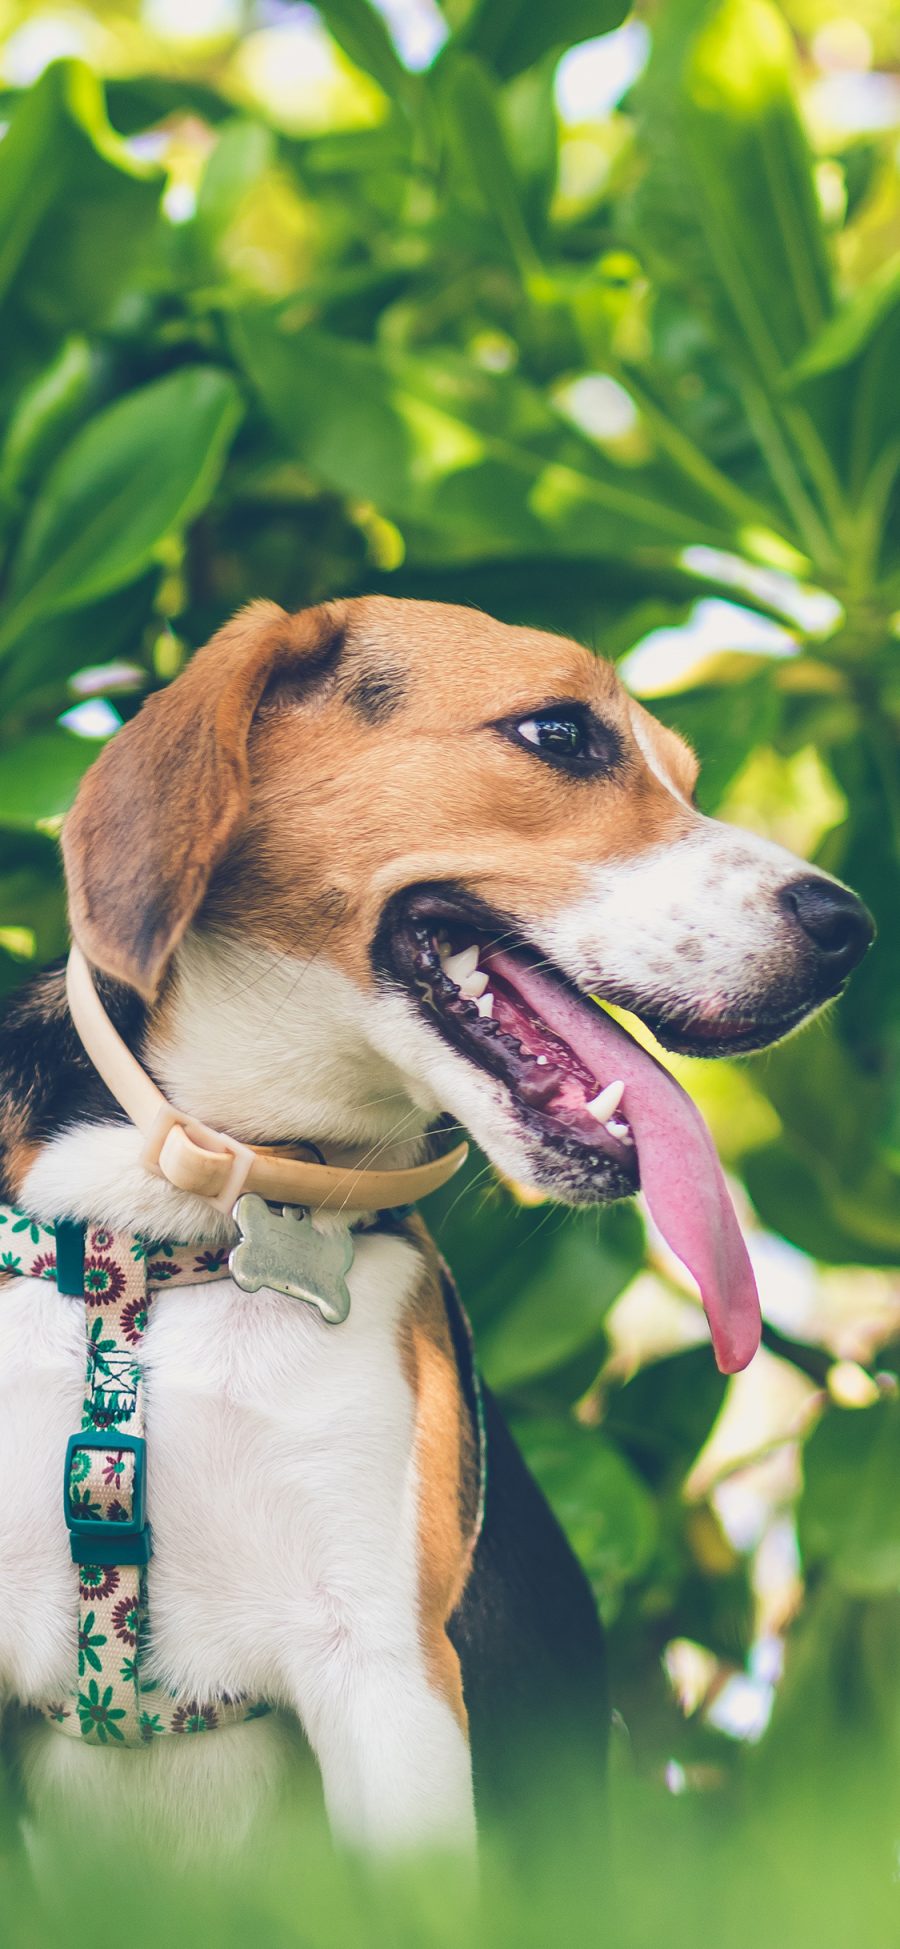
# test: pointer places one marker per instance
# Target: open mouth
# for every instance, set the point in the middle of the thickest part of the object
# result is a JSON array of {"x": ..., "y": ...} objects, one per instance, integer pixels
[
  {"x": 588, "y": 1099},
  {"x": 483, "y": 997}
]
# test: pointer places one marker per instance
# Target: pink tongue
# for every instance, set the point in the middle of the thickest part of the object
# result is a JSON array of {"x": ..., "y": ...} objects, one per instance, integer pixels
[{"x": 680, "y": 1173}]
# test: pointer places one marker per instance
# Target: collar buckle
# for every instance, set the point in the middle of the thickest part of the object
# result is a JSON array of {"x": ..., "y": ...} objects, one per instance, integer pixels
[{"x": 193, "y": 1157}]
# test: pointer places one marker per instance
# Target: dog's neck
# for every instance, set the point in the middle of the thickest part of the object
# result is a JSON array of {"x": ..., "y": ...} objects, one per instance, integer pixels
[
  {"x": 274, "y": 1049},
  {"x": 266, "y": 1047}
]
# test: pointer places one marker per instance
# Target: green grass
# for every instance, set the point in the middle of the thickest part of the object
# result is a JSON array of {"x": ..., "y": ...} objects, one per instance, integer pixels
[{"x": 783, "y": 1858}]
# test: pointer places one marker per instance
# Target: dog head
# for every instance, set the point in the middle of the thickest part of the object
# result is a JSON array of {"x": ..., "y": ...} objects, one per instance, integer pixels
[{"x": 475, "y": 829}]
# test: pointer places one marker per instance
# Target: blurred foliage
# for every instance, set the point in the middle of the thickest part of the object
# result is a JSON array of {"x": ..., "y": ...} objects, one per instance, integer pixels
[{"x": 298, "y": 324}]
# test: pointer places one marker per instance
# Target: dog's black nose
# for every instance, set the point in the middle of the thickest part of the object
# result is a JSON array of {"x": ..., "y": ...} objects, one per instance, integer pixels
[{"x": 836, "y": 922}]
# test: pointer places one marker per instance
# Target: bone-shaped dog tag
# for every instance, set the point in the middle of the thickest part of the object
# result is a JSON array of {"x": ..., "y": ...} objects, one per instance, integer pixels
[{"x": 282, "y": 1250}]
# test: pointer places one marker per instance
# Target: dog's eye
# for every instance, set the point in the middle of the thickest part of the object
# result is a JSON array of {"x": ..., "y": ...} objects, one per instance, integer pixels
[
  {"x": 568, "y": 736},
  {"x": 560, "y": 737}
]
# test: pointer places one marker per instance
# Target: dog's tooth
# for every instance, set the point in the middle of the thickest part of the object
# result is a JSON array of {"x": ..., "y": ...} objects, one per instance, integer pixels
[
  {"x": 459, "y": 966},
  {"x": 474, "y": 984},
  {"x": 486, "y": 1005},
  {"x": 606, "y": 1104}
]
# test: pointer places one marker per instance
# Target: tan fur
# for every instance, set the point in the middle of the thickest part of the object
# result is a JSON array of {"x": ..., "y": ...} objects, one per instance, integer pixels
[
  {"x": 343, "y": 812},
  {"x": 447, "y": 1466},
  {"x": 18, "y": 1159},
  {"x": 157, "y": 810},
  {"x": 300, "y": 825}
]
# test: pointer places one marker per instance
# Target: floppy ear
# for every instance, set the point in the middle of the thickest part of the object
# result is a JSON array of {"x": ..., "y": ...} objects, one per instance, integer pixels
[{"x": 157, "y": 811}]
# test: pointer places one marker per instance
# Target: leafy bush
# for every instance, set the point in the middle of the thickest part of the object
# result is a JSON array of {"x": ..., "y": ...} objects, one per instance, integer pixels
[{"x": 247, "y": 354}]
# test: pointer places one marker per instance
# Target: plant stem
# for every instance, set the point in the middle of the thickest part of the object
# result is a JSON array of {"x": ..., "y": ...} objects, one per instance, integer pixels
[
  {"x": 815, "y": 539},
  {"x": 686, "y": 455}
]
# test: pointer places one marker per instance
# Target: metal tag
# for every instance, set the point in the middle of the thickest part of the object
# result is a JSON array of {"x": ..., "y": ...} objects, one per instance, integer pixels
[{"x": 282, "y": 1250}]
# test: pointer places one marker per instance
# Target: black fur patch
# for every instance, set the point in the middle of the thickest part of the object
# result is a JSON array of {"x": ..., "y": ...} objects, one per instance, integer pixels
[
  {"x": 46, "y": 1079},
  {"x": 377, "y": 694},
  {"x": 533, "y": 1659},
  {"x": 292, "y": 682}
]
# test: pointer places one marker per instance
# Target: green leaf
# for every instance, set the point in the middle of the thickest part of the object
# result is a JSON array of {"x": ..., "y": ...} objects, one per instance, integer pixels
[
  {"x": 727, "y": 214},
  {"x": 663, "y": 1416},
  {"x": 556, "y": 1310},
  {"x": 76, "y": 207},
  {"x": 44, "y": 413},
  {"x": 488, "y": 1237},
  {"x": 139, "y": 102},
  {"x": 851, "y": 329},
  {"x": 510, "y": 35},
  {"x": 849, "y": 1512},
  {"x": 362, "y": 34},
  {"x": 528, "y": 116},
  {"x": 31, "y": 891},
  {"x": 12, "y": 972},
  {"x": 859, "y": 350},
  {"x": 467, "y": 461},
  {"x": 867, "y": 856},
  {"x": 834, "y": 1112},
  {"x": 243, "y": 153},
  {"x": 605, "y": 1509},
  {"x": 35, "y": 680},
  {"x": 537, "y": 1282},
  {"x": 723, "y": 723},
  {"x": 40, "y": 776},
  {"x": 481, "y": 155},
  {"x": 793, "y": 1200},
  {"x": 141, "y": 468},
  {"x": 729, "y": 202}
]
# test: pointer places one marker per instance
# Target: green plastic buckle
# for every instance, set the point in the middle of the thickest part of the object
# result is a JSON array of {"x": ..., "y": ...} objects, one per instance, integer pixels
[
  {"x": 93, "y": 1539},
  {"x": 70, "y": 1257}
]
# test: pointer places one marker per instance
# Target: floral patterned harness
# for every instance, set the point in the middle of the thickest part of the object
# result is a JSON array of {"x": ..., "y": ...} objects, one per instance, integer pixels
[{"x": 104, "y": 1488}]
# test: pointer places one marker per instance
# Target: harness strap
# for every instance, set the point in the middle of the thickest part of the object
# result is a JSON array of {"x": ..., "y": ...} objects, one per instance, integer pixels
[
  {"x": 115, "y": 1274},
  {"x": 114, "y": 1702}
]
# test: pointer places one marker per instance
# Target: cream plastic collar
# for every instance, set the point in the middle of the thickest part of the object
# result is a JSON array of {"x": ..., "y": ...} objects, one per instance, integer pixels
[{"x": 193, "y": 1157}]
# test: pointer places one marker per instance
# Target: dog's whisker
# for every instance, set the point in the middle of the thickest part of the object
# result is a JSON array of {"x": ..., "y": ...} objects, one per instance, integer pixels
[
  {"x": 305, "y": 967},
  {"x": 469, "y": 1189},
  {"x": 377, "y": 1150},
  {"x": 370, "y": 1157}
]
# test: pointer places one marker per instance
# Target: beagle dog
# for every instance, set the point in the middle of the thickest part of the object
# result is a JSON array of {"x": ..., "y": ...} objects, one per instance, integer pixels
[{"x": 358, "y": 870}]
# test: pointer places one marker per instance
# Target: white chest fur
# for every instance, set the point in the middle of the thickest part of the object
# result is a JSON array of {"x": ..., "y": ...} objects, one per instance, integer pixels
[{"x": 283, "y": 1491}]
